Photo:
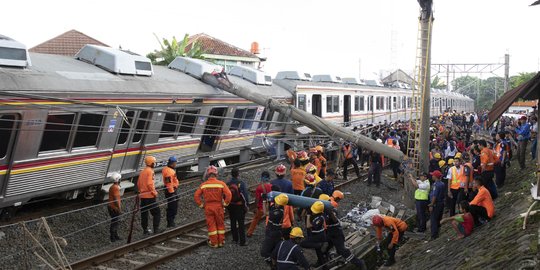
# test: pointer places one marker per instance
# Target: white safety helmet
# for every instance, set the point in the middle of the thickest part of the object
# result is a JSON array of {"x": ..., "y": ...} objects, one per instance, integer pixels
[{"x": 116, "y": 177}]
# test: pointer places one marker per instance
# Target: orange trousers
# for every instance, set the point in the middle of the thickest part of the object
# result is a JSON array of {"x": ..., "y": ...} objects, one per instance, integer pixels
[
  {"x": 215, "y": 222},
  {"x": 255, "y": 221}
]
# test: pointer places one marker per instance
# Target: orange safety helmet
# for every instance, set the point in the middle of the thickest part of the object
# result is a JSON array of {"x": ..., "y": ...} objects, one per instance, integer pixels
[
  {"x": 377, "y": 221},
  {"x": 334, "y": 203},
  {"x": 302, "y": 155},
  {"x": 338, "y": 195},
  {"x": 211, "y": 170},
  {"x": 281, "y": 169},
  {"x": 309, "y": 179},
  {"x": 149, "y": 160}
]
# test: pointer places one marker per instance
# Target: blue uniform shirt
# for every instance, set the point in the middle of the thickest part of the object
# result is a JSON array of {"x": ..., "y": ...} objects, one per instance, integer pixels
[
  {"x": 327, "y": 187},
  {"x": 525, "y": 131},
  {"x": 284, "y": 185},
  {"x": 438, "y": 191}
]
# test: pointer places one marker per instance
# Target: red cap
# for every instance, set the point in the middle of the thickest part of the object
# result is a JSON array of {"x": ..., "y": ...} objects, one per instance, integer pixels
[
  {"x": 377, "y": 221},
  {"x": 523, "y": 118},
  {"x": 281, "y": 169},
  {"x": 437, "y": 174}
]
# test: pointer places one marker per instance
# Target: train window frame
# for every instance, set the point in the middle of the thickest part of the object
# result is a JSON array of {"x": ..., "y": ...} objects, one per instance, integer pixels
[
  {"x": 249, "y": 119},
  {"x": 356, "y": 103},
  {"x": 6, "y": 145},
  {"x": 379, "y": 103},
  {"x": 143, "y": 129},
  {"x": 191, "y": 124},
  {"x": 237, "y": 122},
  {"x": 45, "y": 137},
  {"x": 394, "y": 102},
  {"x": 170, "y": 123},
  {"x": 332, "y": 103},
  {"x": 127, "y": 129},
  {"x": 99, "y": 131},
  {"x": 301, "y": 102}
]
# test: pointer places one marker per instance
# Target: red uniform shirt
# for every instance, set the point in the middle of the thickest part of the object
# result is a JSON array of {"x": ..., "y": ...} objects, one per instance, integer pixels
[{"x": 259, "y": 192}]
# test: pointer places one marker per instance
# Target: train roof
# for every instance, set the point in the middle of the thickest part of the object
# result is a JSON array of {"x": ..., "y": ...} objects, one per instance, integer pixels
[{"x": 59, "y": 74}]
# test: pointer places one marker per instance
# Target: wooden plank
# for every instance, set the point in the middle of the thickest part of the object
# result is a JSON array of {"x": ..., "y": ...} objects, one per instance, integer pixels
[
  {"x": 400, "y": 214},
  {"x": 195, "y": 235},
  {"x": 165, "y": 248},
  {"x": 182, "y": 242},
  {"x": 129, "y": 261}
]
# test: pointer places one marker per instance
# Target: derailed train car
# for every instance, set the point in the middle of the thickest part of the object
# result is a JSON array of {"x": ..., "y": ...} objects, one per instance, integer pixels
[{"x": 66, "y": 124}]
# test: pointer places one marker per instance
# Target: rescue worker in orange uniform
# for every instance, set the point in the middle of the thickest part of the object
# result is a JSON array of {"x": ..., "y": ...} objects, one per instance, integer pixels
[
  {"x": 322, "y": 159},
  {"x": 291, "y": 155},
  {"x": 148, "y": 195},
  {"x": 314, "y": 159},
  {"x": 115, "y": 207},
  {"x": 487, "y": 163},
  {"x": 215, "y": 195},
  {"x": 347, "y": 149},
  {"x": 297, "y": 177},
  {"x": 170, "y": 181},
  {"x": 396, "y": 226}
]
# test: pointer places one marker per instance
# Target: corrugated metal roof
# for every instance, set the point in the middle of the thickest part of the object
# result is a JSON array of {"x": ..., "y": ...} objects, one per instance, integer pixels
[{"x": 529, "y": 90}]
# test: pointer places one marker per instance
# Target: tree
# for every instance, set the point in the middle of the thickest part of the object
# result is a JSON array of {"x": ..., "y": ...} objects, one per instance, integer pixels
[
  {"x": 518, "y": 80},
  {"x": 172, "y": 49},
  {"x": 437, "y": 83}
]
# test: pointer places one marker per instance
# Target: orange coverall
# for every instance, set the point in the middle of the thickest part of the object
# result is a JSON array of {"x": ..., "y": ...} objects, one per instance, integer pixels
[
  {"x": 396, "y": 225},
  {"x": 215, "y": 194}
]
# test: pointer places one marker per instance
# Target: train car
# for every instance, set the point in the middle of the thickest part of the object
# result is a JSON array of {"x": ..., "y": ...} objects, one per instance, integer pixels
[
  {"x": 67, "y": 124},
  {"x": 354, "y": 103}
]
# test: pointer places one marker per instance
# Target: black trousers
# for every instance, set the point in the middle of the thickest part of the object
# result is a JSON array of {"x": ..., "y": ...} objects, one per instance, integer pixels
[
  {"x": 421, "y": 214},
  {"x": 315, "y": 241},
  {"x": 271, "y": 239},
  {"x": 346, "y": 164},
  {"x": 436, "y": 216},
  {"x": 172, "y": 207},
  {"x": 451, "y": 202},
  {"x": 150, "y": 205},
  {"x": 237, "y": 215},
  {"x": 115, "y": 222},
  {"x": 392, "y": 251},
  {"x": 500, "y": 175},
  {"x": 487, "y": 179},
  {"x": 395, "y": 167},
  {"x": 374, "y": 173},
  {"x": 478, "y": 212},
  {"x": 336, "y": 238}
]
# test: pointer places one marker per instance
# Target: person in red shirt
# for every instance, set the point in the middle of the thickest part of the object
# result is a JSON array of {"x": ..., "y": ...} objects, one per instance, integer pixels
[
  {"x": 260, "y": 198},
  {"x": 462, "y": 223}
]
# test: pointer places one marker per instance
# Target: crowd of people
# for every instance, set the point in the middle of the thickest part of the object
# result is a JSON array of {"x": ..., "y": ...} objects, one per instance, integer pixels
[{"x": 466, "y": 169}]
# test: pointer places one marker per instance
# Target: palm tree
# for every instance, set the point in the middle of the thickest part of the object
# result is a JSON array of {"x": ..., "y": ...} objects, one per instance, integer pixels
[{"x": 171, "y": 49}]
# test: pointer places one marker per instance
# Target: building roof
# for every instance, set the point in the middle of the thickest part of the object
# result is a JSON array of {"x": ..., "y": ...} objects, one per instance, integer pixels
[
  {"x": 529, "y": 90},
  {"x": 398, "y": 75},
  {"x": 68, "y": 43},
  {"x": 212, "y": 45},
  {"x": 528, "y": 103}
]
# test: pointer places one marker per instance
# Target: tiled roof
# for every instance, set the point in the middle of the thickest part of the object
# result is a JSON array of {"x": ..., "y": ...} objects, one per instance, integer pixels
[
  {"x": 68, "y": 43},
  {"x": 212, "y": 45},
  {"x": 524, "y": 103}
]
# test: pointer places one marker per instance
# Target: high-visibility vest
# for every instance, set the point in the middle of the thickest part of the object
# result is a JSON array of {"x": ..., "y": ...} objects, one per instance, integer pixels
[
  {"x": 422, "y": 195},
  {"x": 454, "y": 182}
]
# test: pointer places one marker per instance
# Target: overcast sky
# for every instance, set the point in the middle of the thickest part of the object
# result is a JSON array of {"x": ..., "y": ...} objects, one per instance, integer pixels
[{"x": 338, "y": 37}]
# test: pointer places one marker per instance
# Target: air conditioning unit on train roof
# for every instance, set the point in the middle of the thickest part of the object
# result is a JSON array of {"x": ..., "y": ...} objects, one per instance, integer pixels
[
  {"x": 352, "y": 81},
  {"x": 194, "y": 67},
  {"x": 250, "y": 74},
  {"x": 13, "y": 53},
  {"x": 293, "y": 75},
  {"x": 115, "y": 61},
  {"x": 326, "y": 78}
]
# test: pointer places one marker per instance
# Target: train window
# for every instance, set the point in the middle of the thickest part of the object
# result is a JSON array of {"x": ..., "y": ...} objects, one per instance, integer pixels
[
  {"x": 379, "y": 104},
  {"x": 404, "y": 102},
  {"x": 57, "y": 130},
  {"x": 250, "y": 115},
  {"x": 280, "y": 118},
  {"x": 332, "y": 104},
  {"x": 238, "y": 118},
  {"x": 170, "y": 123},
  {"x": 140, "y": 127},
  {"x": 263, "y": 115},
  {"x": 87, "y": 133},
  {"x": 124, "y": 132},
  {"x": 388, "y": 103},
  {"x": 302, "y": 102},
  {"x": 356, "y": 103},
  {"x": 7, "y": 123},
  {"x": 188, "y": 122},
  {"x": 409, "y": 101},
  {"x": 394, "y": 103},
  {"x": 361, "y": 104}
]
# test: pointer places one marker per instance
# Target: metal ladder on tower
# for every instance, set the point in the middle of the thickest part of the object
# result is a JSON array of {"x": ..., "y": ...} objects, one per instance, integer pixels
[{"x": 416, "y": 108}]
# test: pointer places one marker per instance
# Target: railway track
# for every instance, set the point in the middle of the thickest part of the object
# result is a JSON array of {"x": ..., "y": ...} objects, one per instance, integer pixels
[{"x": 163, "y": 247}]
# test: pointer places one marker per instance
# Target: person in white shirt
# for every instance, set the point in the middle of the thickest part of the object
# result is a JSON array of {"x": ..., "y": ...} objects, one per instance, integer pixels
[{"x": 421, "y": 196}]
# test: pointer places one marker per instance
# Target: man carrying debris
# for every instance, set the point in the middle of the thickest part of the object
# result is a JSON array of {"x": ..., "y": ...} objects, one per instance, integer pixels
[{"x": 396, "y": 226}]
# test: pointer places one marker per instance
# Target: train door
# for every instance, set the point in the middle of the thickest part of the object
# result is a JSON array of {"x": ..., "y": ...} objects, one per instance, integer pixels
[
  {"x": 347, "y": 110},
  {"x": 130, "y": 141},
  {"x": 9, "y": 124},
  {"x": 212, "y": 130},
  {"x": 316, "y": 105}
]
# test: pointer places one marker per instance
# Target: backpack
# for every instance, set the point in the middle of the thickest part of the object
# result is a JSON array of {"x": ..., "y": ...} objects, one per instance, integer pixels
[{"x": 237, "y": 196}]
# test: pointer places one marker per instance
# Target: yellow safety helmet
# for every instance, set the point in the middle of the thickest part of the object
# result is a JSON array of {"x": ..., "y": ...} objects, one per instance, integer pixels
[
  {"x": 319, "y": 148},
  {"x": 281, "y": 199},
  {"x": 458, "y": 155},
  {"x": 149, "y": 160},
  {"x": 296, "y": 232},
  {"x": 317, "y": 207},
  {"x": 451, "y": 161},
  {"x": 442, "y": 163},
  {"x": 324, "y": 197},
  {"x": 437, "y": 155}
]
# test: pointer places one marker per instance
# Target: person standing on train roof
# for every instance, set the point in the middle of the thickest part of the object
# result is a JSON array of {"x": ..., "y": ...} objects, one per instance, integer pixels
[
  {"x": 170, "y": 181},
  {"x": 348, "y": 159},
  {"x": 297, "y": 177},
  {"x": 213, "y": 195},
  {"x": 284, "y": 185},
  {"x": 261, "y": 200},
  {"x": 238, "y": 207},
  {"x": 148, "y": 196},
  {"x": 115, "y": 207}
]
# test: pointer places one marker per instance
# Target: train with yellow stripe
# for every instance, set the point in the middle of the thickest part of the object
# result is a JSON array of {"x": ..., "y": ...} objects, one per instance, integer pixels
[{"x": 67, "y": 124}]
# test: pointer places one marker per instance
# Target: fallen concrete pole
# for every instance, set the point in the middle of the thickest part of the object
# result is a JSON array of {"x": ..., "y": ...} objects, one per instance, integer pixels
[{"x": 312, "y": 121}]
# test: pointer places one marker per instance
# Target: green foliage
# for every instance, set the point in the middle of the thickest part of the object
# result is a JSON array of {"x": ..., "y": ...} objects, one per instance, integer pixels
[
  {"x": 171, "y": 49},
  {"x": 437, "y": 83},
  {"x": 518, "y": 80}
]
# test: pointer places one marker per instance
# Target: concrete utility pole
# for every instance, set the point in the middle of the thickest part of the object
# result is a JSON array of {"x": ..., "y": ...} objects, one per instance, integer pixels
[
  {"x": 426, "y": 19},
  {"x": 312, "y": 121},
  {"x": 506, "y": 72}
]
